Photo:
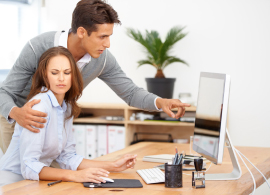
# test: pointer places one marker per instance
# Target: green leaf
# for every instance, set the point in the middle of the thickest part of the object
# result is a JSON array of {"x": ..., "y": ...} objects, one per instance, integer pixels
[
  {"x": 171, "y": 60},
  {"x": 144, "y": 62},
  {"x": 146, "y": 41},
  {"x": 158, "y": 51},
  {"x": 173, "y": 36}
]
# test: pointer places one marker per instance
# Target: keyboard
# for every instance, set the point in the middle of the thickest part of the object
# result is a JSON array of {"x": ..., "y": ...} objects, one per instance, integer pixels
[{"x": 154, "y": 175}]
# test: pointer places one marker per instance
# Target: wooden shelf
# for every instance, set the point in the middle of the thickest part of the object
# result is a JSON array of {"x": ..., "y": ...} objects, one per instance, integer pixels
[
  {"x": 192, "y": 108},
  {"x": 96, "y": 120},
  {"x": 177, "y": 124},
  {"x": 102, "y": 106},
  {"x": 178, "y": 130}
]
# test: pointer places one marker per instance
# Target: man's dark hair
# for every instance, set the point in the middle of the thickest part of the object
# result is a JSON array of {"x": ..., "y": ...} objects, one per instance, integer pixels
[{"x": 88, "y": 13}]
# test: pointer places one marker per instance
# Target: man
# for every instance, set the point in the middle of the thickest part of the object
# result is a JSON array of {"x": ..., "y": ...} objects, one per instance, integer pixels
[{"x": 87, "y": 40}]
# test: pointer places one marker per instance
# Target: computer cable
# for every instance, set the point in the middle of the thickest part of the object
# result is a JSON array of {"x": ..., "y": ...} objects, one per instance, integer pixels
[
  {"x": 254, "y": 167},
  {"x": 240, "y": 154},
  {"x": 208, "y": 167},
  {"x": 254, "y": 183}
]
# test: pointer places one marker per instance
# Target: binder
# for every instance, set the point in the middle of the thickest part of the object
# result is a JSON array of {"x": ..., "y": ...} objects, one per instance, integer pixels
[
  {"x": 91, "y": 141},
  {"x": 116, "y": 138},
  {"x": 79, "y": 134},
  {"x": 118, "y": 183},
  {"x": 112, "y": 138},
  {"x": 102, "y": 143},
  {"x": 120, "y": 137}
]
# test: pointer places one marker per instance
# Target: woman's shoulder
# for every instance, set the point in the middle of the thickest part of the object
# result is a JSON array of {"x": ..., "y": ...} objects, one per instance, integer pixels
[{"x": 44, "y": 105}]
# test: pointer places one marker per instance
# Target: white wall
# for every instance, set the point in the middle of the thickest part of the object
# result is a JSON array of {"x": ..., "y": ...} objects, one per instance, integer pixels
[{"x": 224, "y": 36}]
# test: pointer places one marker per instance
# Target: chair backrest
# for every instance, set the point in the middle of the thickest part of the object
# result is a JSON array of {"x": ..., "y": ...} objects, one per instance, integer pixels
[{"x": 3, "y": 75}]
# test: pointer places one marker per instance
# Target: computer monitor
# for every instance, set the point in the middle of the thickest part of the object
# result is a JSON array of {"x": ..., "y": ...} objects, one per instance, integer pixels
[{"x": 210, "y": 133}]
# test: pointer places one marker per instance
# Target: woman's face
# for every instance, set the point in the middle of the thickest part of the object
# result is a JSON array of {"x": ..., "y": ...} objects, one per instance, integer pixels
[{"x": 59, "y": 75}]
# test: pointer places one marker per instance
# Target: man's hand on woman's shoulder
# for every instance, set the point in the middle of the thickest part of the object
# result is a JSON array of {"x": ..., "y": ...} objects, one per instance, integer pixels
[{"x": 27, "y": 117}]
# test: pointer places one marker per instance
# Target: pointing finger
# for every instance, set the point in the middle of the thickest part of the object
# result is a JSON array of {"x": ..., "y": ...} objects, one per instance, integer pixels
[{"x": 181, "y": 105}]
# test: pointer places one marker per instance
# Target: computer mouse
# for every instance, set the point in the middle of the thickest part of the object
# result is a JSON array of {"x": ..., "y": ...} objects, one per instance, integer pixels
[{"x": 108, "y": 180}]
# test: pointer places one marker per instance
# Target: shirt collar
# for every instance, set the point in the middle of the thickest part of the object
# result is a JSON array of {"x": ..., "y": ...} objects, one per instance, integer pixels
[
  {"x": 63, "y": 42},
  {"x": 54, "y": 100},
  {"x": 85, "y": 59}
]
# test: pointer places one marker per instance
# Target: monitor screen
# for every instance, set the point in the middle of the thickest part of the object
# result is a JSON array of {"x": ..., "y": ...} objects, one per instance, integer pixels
[{"x": 208, "y": 137}]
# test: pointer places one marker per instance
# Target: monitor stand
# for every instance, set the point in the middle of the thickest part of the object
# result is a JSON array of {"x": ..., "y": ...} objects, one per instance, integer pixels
[{"x": 236, "y": 172}]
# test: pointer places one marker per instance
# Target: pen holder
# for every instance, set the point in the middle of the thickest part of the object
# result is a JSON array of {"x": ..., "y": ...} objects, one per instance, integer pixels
[{"x": 173, "y": 176}]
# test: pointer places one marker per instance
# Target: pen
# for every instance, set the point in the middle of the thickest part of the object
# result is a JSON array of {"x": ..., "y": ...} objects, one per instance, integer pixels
[
  {"x": 176, "y": 151},
  {"x": 52, "y": 183},
  {"x": 175, "y": 157},
  {"x": 180, "y": 159}
]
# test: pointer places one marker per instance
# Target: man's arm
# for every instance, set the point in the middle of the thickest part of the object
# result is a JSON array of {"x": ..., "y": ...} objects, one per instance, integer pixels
[
  {"x": 15, "y": 83},
  {"x": 124, "y": 87},
  {"x": 27, "y": 117}
]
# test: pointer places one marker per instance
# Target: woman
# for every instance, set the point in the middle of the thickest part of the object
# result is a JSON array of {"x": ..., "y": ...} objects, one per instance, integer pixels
[{"x": 58, "y": 83}]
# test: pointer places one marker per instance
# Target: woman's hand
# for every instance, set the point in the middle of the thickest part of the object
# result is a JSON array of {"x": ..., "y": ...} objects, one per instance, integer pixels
[
  {"x": 90, "y": 175},
  {"x": 127, "y": 161}
]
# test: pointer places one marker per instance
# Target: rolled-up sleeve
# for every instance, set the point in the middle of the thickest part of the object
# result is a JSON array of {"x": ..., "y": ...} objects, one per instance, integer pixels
[
  {"x": 31, "y": 145},
  {"x": 69, "y": 159},
  {"x": 32, "y": 169}
]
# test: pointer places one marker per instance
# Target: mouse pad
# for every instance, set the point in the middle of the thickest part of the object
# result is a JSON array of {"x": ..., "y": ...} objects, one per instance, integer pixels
[{"x": 118, "y": 183}]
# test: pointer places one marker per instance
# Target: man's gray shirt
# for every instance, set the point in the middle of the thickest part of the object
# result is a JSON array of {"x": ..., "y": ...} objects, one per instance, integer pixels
[{"x": 17, "y": 85}]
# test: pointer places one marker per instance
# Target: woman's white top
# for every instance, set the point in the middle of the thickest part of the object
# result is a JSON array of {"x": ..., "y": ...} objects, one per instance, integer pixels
[{"x": 29, "y": 152}]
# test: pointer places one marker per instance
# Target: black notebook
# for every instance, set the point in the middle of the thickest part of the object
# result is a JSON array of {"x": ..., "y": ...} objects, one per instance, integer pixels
[{"x": 118, "y": 183}]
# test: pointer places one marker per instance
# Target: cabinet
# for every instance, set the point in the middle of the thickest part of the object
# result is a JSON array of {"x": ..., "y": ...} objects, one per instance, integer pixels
[{"x": 98, "y": 112}]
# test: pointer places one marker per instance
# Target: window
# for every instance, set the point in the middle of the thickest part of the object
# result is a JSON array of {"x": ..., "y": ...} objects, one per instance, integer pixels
[{"x": 19, "y": 23}]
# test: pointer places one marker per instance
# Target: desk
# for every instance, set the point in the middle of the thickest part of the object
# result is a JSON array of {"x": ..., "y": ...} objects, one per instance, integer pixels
[{"x": 259, "y": 156}]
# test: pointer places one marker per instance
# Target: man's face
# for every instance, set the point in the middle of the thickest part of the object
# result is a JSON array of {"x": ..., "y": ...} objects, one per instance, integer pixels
[{"x": 98, "y": 41}]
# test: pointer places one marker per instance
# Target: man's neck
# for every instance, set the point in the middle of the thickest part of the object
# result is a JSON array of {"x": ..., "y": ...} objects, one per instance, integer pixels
[{"x": 73, "y": 45}]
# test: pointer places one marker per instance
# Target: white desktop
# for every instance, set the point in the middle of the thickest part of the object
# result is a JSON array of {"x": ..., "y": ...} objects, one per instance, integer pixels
[{"x": 210, "y": 132}]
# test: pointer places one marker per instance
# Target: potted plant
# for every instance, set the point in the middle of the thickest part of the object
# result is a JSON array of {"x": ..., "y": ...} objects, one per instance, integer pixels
[{"x": 158, "y": 56}]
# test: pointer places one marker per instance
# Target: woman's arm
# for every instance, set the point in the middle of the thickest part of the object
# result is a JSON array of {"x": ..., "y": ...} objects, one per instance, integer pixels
[
  {"x": 68, "y": 159},
  {"x": 31, "y": 146},
  {"x": 125, "y": 162},
  {"x": 88, "y": 170},
  {"x": 86, "y": 175}
]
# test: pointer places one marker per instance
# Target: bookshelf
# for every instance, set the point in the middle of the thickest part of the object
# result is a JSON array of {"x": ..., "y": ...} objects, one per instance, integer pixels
[{"x": 178, "y": 130}]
